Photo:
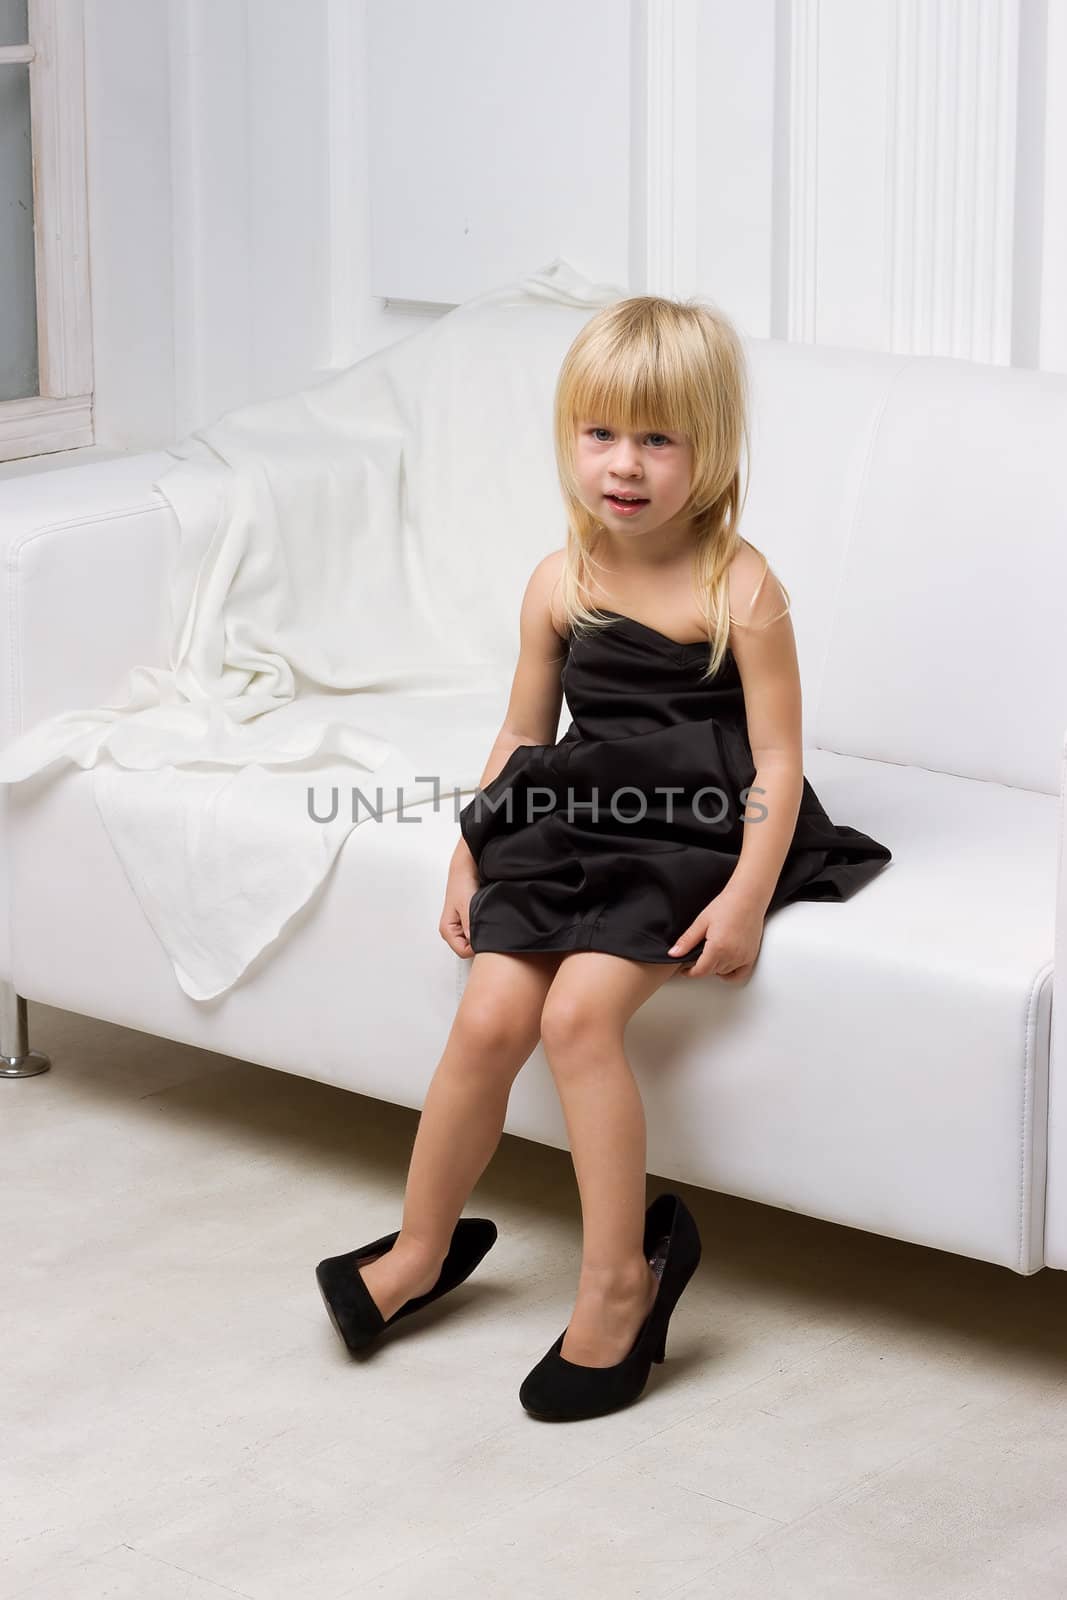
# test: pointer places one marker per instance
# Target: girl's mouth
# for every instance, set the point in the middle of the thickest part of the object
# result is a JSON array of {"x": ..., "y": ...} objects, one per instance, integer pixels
[{"x": 626, "y": 508}]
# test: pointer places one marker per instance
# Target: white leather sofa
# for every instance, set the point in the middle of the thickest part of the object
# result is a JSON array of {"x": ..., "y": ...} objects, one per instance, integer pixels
[{"x": 897, "y": 1061}]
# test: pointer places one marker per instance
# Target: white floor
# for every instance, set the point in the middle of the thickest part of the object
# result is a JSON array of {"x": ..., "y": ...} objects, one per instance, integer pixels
[{"x": 839, "y": 1415}]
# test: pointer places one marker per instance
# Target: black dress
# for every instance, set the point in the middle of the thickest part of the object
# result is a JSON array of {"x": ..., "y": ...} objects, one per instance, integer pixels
[{"x": 615, "y": 837}]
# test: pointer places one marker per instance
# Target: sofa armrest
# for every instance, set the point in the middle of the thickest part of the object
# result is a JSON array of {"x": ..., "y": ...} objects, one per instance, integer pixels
[
  {"x": 1056, "y": 1174},
  {"x": 84, "y": 555}
]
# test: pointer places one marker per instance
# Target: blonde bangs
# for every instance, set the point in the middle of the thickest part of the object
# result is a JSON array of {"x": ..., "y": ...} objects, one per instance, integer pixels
[{"x": 631, "y": 377}]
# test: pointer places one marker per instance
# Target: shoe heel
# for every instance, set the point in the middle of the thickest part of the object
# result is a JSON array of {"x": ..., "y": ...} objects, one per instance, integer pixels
[
  {"x": 683, "y": 1260},
  {"x": 658, "y": 1350}
]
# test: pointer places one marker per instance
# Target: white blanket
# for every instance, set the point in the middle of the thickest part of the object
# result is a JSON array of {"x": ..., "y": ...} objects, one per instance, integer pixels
[{"x": 304, "y": 637}]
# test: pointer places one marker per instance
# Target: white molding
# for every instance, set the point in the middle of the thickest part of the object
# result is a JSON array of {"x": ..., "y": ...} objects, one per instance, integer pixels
[
  {"x": 212, "y": 197},
  {"x": 802, "y": 254},
  {"x": 950, "y": 178},
  {"x": 1052, "y": 306},
  {"x": 671, "y": 109},
  {"x": 346, "y": 156},
  {"x": 38, "y": 426},
  {"x": 187, "y": 292}
]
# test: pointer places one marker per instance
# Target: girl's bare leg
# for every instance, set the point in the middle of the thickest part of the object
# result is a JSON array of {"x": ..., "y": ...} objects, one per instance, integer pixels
[
  {"x": 588, "y": 1005},
  {"x": 496, "y": 1028}
]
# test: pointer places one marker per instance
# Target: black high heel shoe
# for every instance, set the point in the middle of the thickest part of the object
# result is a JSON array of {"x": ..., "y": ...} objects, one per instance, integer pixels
[
  {"x": 558, "y": 1390},
  {"x": 350, "y": 1304}
]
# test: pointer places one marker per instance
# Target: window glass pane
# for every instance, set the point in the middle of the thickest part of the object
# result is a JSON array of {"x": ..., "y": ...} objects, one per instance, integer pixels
[
  {"x": 13, "y": 28},
  {"x": 18, "y": 292}
]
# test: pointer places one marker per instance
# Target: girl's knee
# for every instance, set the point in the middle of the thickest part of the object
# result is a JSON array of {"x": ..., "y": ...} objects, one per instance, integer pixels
[
  {"x": 571, "y": 1023},
  {"x": 488, "y": 1028}
]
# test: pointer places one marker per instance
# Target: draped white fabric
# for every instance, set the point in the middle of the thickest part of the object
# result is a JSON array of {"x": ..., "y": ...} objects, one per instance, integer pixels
[{"x": 322, "y": 630}]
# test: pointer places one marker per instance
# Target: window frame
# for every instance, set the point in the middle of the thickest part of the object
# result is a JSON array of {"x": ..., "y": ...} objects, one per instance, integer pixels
[{"x": 60, "y": 415}]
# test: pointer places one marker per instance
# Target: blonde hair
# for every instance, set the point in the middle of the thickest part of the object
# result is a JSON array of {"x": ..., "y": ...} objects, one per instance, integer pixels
[{"x": 651, "y": 363}]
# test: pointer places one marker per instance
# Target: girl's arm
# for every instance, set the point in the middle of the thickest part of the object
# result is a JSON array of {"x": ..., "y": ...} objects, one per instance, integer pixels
[
  {"x": 532, "y": 715},
  {"x": 765, "y": 651},
  {"x": 766, "y": 656}
]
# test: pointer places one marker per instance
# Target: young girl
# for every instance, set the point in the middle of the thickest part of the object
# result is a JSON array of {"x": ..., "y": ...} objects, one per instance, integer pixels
[{"x": 593, "y": 869}]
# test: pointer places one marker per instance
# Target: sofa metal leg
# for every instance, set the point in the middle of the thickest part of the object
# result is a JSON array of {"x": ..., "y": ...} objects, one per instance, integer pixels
[{"x": 17, "y": 1060}]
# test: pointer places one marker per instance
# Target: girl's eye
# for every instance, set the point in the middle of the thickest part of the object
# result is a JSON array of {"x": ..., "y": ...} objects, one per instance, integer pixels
[{"x": 662, "y": 436}]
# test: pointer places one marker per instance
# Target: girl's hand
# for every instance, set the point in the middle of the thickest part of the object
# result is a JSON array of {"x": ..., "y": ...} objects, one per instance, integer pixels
[
  {"x": 733, "y": 930},
  {"x": 454, "y": 926}
]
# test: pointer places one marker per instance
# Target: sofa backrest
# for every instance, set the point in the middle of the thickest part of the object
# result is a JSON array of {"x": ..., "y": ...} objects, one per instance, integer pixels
[
  {"x": 814, "y": 413},
  {"x": 948, "y": 648},
  {"x": 916, "y": 509},
  {"x": 482, "y": 503}
]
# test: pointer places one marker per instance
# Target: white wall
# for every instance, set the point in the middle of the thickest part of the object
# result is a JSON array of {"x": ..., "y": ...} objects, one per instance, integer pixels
[
  {"x": 229, "y": 226},
  {"x": 280, "y": 186},
  {"x": 495, "y": 135},
  {"x": 131, "y": 245}
]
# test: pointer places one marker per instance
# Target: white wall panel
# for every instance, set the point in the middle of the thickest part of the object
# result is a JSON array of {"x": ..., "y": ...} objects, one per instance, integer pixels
[
  {"x": 1050, "y": 175},
  {"x": 848, "y": 226},
  {"x": 499, "y": 138},
  {"x": 733, "y": 63},
  {"x": 251, "y": 185},
  {"x": 903, "y": 118},
  {"x": 951, "y": 178},
  {"x": 131, "y": 244},
  {"x": 666, "y": 174},
  {"x": 288, "y": 175}
]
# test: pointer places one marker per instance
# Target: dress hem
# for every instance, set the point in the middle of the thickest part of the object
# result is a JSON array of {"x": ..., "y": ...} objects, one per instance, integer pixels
[{"x": 600, "y": 949}]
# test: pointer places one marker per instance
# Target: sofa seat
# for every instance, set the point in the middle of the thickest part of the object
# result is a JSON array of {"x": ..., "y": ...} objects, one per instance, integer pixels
[{"x": 885, "y": 1065}]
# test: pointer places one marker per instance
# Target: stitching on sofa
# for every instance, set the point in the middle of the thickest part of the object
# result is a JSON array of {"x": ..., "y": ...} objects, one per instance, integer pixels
[
  {"x": 846, "y": 554},
  {"x": 85, "y": 522},
  {"x": 14, "y": 551}
]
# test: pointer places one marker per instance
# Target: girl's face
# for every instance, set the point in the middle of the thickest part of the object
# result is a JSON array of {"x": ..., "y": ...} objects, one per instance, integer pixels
[{"x": 654, "y": 467}]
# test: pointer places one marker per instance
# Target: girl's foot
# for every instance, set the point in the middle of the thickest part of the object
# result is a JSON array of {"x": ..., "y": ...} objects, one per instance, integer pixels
[
  {"x": 396, "y": 1276},
  {"x": 607, "y": 1314}
]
